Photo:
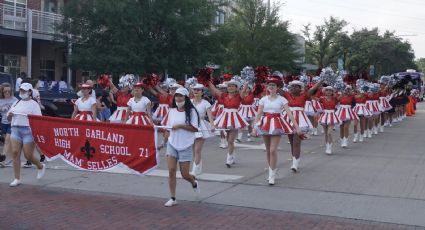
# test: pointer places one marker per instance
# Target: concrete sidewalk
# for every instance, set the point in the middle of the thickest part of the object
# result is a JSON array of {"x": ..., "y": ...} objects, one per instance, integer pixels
[{"x": 380, "y": 180}]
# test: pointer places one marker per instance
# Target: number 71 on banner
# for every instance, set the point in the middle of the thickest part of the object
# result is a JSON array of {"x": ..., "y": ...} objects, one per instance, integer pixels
[{"x": 144, "y": 152}]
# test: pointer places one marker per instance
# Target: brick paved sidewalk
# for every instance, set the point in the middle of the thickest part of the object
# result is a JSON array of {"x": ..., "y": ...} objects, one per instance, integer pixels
[{"x": 32, "y": 207}]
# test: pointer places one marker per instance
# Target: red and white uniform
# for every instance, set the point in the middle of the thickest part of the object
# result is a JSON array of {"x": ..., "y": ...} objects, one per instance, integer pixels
[
  {"x": 230, "y": 118},
  {"x": 163, "y": 107},
  {"x": 345, "y": 111},
  {"x": 309, "y": 109},
  {"x": 119, "y": 115},
  {"x": 372, "y": 103},
  {"x": 384, "y": 102},
  {"x": 296, "y": 104},
  {"x": 247, "y": 108},
  {"x": 360, "y": 109},
  {"x": 85, "y": 112},
  {"x": 329, "y": 117},
  {"x": 271, "y": 122},
  {"x": 138, "y": 115},
  {"x": 316, "y": 103},
  {"x": 217, "y": 108},
  {"x": 204, "y": 126}
]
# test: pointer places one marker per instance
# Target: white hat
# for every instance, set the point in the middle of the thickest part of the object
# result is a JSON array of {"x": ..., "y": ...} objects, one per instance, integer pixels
[
  {"x": 296, "y": 83},
  {"x": 233, "y": 82},
  {"x": 175, "y": 85},
  {"x": 182, "y": 91},
  {"x": 327, "y": 87},
  {"x": 198, "y": 86},
  {"x": 26, "y": 86},
  {"x": 222, "y": 85}
]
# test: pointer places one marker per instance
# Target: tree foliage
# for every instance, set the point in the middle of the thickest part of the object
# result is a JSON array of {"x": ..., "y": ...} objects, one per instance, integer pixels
[
  {"x": 140, "y": 35},
  {"x": 256, "y": 36},
  {"x": 359, "y": 50}
]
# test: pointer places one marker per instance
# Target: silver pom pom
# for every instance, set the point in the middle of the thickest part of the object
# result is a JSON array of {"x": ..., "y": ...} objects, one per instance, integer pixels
[
  {"x": 305, "y": 79},
  {"x": 328, "y": 76},
  {"x": 190, "y": 82},
  {"x": 169, "y": 81},
  {"x": 315, "y": 79},
  {"x": 248, "y": 74},
  {"x": 340, "y": 86},
  {"x": 127, "y": 81}
]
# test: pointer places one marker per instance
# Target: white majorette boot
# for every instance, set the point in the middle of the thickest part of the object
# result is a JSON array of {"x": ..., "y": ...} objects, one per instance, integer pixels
[
  {"x": 295, "y": 164},
  {"x": 222, "y": 143},
  {"x": 239, "y": 137},
  {"x": 249, "y": 138},
  {"x": 314, "y": 131},
  {"x": 375, "y": 130},
  {"x": 381, "y": 129},
  {"x": 328, "y": 148},
  {"x": 230, "y": 160},
  {"x": 369, "y": 133},
  {"x": 344, "y": 142},
  {"x": 361, "y": 138},
  {"x": 356, "y": 137},
  {"x": 272, "y": 176}
]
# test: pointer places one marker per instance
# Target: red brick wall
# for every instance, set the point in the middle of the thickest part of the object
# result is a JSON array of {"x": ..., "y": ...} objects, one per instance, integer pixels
[{"x": 34, "y": 4}]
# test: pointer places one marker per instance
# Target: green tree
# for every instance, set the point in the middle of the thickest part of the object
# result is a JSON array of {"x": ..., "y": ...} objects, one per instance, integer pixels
[
  {"x": 320, "y": 43},
  {"x": 256, "y": 36},
  {"x": 420, "y": 63},
  {"x": 140, "y": 35},
  {"x": 387, "y": 52}
]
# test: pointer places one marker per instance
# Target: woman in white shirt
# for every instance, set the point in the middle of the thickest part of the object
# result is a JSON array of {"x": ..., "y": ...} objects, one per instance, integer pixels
[
  {"x": 183, "y": 119},
  {"x": 204, "y": 109},
  {"x": 85, "y": 107},
  {"x": 270, "y": 124},
  {"x": 6, "y": 101},
  {"x": 139, "y": 110},
  {"x": 21, "y": 135}
]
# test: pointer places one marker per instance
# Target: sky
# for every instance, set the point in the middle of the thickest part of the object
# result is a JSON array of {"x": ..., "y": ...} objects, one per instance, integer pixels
[{"x": 405, "y": 17}]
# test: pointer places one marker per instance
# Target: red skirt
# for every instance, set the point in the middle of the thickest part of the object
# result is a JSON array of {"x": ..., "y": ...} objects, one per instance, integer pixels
[
  {"x": 230, "y": 119},
  {"x": 139, "y": 118},
  {"x": 345, "y": 113},
  {"x": 273, "y": 124},
  {"x": 84, "y": 116}
]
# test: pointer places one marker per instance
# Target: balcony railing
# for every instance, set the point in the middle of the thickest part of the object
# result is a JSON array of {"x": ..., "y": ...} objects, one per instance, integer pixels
[{"x": 16, "y": 18}]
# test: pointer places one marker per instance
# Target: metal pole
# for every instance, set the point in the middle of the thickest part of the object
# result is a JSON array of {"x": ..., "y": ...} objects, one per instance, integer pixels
[
  {"x": 68, "y": 61},
  {"x": 29, "y": 42}
]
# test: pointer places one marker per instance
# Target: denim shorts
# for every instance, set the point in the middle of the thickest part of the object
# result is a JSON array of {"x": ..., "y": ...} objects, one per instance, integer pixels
[
  {"x": 184, "y": 155},
  {"x": 22, "y": 134},
  {"x": 5, "y": 128}
]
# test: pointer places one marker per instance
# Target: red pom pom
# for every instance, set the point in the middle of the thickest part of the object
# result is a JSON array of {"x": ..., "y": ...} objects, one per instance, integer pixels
[
  {"x": 261, "y": 74},
  {"x": 258, "y": 89},
  {"x": 103, "y": 80},
  {"x": 204, "y": 76},
  {"x": 150, "y": 80},
  {"x": 227, "y": 77}
]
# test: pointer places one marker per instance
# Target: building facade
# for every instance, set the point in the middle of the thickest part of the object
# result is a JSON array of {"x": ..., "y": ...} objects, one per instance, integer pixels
[{"x": 48, "y": 57}]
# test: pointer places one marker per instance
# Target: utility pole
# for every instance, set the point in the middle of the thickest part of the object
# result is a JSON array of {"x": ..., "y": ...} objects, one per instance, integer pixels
[{"x": 29, "y": 42}]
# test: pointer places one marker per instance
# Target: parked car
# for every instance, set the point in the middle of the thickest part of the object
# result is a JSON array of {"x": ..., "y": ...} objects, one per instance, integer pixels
[
  {"x": 5, "y": 77},
  {"x": 58, "y": 102}
]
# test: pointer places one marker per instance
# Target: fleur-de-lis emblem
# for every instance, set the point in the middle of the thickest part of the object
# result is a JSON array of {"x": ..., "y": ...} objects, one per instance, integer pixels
[{"x": 88, "y": 150}]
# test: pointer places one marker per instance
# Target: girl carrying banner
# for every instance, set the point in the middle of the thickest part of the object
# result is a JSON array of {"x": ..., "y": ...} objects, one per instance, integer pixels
[{"x": 21, "y": 135}]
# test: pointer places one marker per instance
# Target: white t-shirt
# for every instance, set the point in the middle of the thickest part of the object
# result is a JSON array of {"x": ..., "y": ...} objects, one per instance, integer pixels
[
  {"x": 139, "y": 106},
  {"x": 181, "y": 139},
  {"x": 5, "y": 105},
  {"x": 202, "y": 108},
  {"x": 273, "y": 106},
  {"x": 85, "y": 105},
  {"x": 18, "y": 84},
  {"x": 24, "y": 107}
]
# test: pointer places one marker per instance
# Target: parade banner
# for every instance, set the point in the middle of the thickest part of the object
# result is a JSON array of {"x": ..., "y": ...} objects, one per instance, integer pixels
[{"x": 95, "y": 146}]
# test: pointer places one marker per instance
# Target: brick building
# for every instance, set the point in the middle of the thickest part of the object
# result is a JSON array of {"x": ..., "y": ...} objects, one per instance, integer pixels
[{"x": 48, "y": 57}]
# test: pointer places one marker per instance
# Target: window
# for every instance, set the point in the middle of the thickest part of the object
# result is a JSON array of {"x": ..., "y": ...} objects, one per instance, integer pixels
[
  {"x": 10, "y": 64},
  {"x": 219, "y": 17},
  {"x": 15, "y": 12},
  {"x": 47, "y": 69}
]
